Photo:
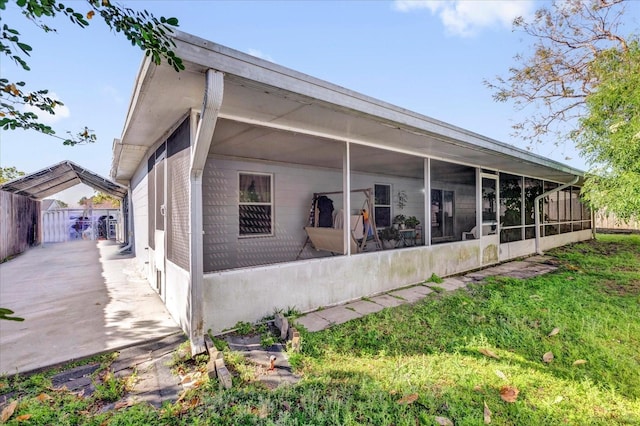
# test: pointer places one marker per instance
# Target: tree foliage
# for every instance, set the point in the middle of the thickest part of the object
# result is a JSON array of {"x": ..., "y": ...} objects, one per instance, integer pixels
[
  {"x": 142, "y": 29},
  {"x": 9, "y": 173},
  {"x": 582, "y": 80},
  {"x": 100, "y": 198},
  {"x": 557, "y": 77},
  {"x": 609, "y": 134}
]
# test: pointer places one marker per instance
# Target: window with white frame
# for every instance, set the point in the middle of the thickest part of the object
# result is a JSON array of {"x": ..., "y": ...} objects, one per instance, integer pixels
[
  {"x": 255, "y": 207},
  {"x": 382, "y": 205}
]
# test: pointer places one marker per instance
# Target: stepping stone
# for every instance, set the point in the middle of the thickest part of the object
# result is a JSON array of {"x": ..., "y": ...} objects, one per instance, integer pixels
[
  {"x": 412, "y": 294},
  {"x": 539, "y": 259},
  {"x": 387, "y": 301},
  {"x": 364, "y": 307},
  {"x": 338, "y": 314},
  {"x": 449, "y": 284},
  {"x": 313, "y": 322}
]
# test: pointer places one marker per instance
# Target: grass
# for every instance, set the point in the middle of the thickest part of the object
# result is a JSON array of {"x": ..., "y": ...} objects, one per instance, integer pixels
[{"x": 407, "y": 365}]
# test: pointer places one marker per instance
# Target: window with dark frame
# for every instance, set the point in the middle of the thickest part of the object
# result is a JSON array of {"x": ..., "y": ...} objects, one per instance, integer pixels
[
  {"x": 382, "y": 205},
  {"x": 255, "y": 207}
]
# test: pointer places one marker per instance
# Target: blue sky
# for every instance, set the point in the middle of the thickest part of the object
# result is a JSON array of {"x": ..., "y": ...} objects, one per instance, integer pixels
[{"x": 429, "y": 57}]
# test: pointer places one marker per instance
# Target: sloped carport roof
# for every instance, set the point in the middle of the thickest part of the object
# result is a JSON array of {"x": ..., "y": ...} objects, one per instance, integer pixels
[{"x": 61, "y": 176}]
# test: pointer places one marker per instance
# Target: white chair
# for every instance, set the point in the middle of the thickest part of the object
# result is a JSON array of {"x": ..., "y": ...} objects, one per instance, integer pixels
[{"x": 471, "y": 235}]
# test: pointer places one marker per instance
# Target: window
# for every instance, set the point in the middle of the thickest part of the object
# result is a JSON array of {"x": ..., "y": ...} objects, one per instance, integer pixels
[
  {"x": 489, "y": 206},
  {"x": 382, "y": 205},
  {"x": 511, "y": 207},
  {"x": 255, "y": 204},
  {"x": 442, "y": 214}
]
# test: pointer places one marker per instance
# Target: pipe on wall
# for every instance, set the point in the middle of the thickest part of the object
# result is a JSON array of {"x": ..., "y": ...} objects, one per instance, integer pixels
[{"x": 200, "y": 149}]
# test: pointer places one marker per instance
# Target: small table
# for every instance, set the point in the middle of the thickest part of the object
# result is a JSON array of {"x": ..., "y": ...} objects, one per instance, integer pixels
[{"x": 407, "y": 237}]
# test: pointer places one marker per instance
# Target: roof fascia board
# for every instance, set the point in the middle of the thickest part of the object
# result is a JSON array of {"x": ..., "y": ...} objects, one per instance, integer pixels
[
  {"x": 143, "y": 79},
  {"x": 211, "y": 55}
]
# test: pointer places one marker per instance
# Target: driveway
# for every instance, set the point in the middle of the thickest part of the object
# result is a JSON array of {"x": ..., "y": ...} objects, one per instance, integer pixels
[{"x": 78, "y": 299}]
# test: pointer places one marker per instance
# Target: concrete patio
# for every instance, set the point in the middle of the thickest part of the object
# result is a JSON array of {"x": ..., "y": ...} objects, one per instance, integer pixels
[{"x": 78, "y": 299}]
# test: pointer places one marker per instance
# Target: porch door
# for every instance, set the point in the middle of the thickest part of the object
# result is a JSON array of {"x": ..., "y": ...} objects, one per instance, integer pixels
[
  {"x": 160, "y": 219},
  {"x": 490, "y": 237}
]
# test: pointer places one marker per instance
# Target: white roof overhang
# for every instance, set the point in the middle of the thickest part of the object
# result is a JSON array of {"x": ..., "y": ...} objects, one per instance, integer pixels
[
  {"x": 273, "y": 113},
  {"x": 61, "y": 176}
]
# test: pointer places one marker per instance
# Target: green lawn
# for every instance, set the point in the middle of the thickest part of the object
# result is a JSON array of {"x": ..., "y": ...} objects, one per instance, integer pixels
[{"x": 447, "y": 357}]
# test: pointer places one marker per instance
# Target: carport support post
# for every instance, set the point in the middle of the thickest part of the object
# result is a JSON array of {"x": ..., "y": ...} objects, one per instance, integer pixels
[{"x": 199, "y": 151}]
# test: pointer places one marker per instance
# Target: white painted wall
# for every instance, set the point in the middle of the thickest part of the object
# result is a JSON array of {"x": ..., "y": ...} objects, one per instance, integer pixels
[
  {"x": 527, "y": 247},
  {"x": 140, "y": 210},
  {"x": 250, "y": 294},
  {"x": 294, "y": 187},
  {"x": 414, "y": 189},
  {"x": 177, "y": 292},
  {"x": 547, "y": 243}
]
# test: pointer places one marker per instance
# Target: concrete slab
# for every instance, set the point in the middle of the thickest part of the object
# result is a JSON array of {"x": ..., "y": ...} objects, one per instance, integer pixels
[
  {"x": 412, "y": 294},
  {"x": 387, "y": 301},
  {"x": 449, "y": 284},
  {"x": 338, "y": 314},
  {"x": 539, "y": 259},
  {"x": 313, "y": 322},
  {"x": 478, "y": 275},
  {"x": 517, "y": 264},
  {"x": 364, "y": 307},
  {"x": 78, "y": 298}
]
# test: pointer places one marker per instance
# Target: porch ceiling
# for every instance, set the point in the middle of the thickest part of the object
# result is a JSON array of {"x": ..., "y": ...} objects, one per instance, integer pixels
[{"x": 273, "y": 113}]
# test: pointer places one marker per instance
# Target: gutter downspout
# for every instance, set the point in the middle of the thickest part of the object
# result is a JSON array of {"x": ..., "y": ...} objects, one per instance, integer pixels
[
  {"x": 129, "y": 223},
  {"x": 200, "y": 149},
  {"x": 536, "y": 206}
]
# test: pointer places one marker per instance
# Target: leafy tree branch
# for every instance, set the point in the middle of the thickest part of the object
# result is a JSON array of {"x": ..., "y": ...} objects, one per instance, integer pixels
[
  {"x": 141, "y": 28},
  {"x": 557, "y": 77},
  {"x": 9, "y": 173},
  {"x": 583, "y": 78}
]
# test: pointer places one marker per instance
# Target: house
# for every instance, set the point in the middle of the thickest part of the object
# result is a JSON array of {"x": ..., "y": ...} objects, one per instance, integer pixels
[
  {"x": 227, "y": 160},
  {"x": 50, "y": 204}
]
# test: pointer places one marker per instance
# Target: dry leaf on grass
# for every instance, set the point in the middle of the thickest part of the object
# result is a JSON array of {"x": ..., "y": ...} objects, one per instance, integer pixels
[
  {"x": 408, "y": 399},
  {"x": 443, "y": 421},
  {"x": 501, "y": 375},
  {"x": 554, "y": 332},
  {"x": 23, "y": 417},
  {"x": 509, "y": 393},
  {"x": 487, "y": 414},
  {"x": 487, "y": 352},
  {"x": 43, "y": 397},
  {"x": 579, "y": 362},
  {"x": 7, "y": 411},
  {"x": 548, "y": 357},
  {"x": 123, "y": 404}
]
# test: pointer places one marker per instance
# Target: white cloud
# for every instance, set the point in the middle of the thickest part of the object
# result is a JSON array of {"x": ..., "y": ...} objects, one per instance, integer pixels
[
  {"x": 466, "y": 18},
  {"x": 259, "y": 54},
  {"x": 61, "y": 112}
]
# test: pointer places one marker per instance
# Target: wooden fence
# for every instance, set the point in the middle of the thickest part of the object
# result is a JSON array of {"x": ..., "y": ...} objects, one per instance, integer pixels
[
  {"x": 19, "y": 224},
  {"x": 610, "y": 221}
]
